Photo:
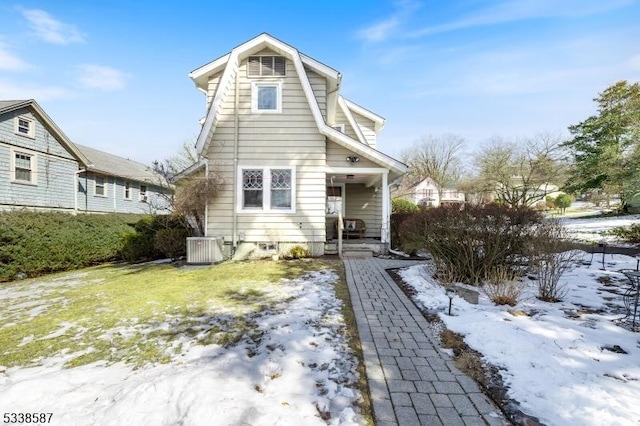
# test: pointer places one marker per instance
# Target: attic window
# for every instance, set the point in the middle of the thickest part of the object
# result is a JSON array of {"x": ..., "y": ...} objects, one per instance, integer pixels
[
  {"x": 266, "y": 66},
  {"x": 25, "y": 126}
]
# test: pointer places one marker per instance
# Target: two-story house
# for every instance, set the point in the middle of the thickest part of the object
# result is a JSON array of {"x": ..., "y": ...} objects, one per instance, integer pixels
[
  {"x": 294, "y": 154},
  {"x": 427, "y": 194},
  {"x": 41, "y": 169}
]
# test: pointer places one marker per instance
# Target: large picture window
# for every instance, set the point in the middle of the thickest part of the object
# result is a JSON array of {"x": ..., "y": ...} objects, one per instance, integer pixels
[{"x": 267, "y": 189}]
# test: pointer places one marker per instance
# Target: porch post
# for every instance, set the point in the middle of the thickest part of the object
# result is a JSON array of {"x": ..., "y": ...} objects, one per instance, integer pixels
[{"x": 384, "y": 229}]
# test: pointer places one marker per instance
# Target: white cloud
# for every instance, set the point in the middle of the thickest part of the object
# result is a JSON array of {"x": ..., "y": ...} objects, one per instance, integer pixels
[
  {"x": 100, "y": 77},
  {"x": 17, "y": 90},
  {"x": 518, "y": 10},
  {"x": 50, "y": 30},
  {"x": 380, "y": 31},
  {"x": 11, "y": 62}
]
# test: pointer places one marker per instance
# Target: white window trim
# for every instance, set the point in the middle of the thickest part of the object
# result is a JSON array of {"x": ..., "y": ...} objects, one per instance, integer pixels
[
  {"x": 34, "y": 166},
  {"x": 266, "y": 190},
  {"x": 124, "y": 190},
  {"x": 32, "y": 126},
  {"x": 254, "y": 97},
  {"x": 143, "y": 197},
  {"x": 95, "y": 186}
]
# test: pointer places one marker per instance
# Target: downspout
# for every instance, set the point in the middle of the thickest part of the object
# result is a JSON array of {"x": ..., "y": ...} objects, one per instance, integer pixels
[
  {"x": 236, "y": 139},
  {"x": 206, "y": 205},
  {"x": 76, "y": 182}
]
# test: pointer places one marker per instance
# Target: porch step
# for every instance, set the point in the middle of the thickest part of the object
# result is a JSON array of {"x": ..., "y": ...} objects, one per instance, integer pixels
[{"x": 357, "y": 253}]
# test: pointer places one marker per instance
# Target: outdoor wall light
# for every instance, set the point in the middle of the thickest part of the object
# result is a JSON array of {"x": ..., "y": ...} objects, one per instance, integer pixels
[{"x": 353, "y": 159}]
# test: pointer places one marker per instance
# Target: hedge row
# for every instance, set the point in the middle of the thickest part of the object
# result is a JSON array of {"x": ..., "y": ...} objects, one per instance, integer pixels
[{"x": 37, "y": 243}]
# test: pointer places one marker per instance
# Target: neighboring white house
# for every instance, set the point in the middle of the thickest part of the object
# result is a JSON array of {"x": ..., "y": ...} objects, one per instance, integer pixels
[
  {"x": 425, "y": 193},
  {"x": 293, "y": 153},
  {"x": 41, "y": 169}
]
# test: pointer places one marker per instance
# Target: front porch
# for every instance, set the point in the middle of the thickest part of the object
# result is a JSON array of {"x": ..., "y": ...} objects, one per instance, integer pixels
[{"x": 357, "y": 197}]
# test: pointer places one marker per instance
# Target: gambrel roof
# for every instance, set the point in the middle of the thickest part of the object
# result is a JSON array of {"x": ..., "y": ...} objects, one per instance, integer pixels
[{"x": 229, "y": 64}]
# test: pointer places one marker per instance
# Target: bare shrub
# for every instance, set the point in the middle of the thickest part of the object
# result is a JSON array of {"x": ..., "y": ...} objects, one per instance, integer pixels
[
  {"x": 471, "y": 242},
  {"x": 502, "y": 288},
  {"x": 552, "y": 257},
  {"x": 504, "y": 293}
]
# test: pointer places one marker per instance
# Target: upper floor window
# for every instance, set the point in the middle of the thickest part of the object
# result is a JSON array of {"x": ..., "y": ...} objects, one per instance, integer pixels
[
  {"x": 25, "y": 126},
  {"x": 266, "y": 97},
  {"x": 100, "y": 186},
  {"x": 24, "y": 167},
  {"x": 266, "y": 66}
]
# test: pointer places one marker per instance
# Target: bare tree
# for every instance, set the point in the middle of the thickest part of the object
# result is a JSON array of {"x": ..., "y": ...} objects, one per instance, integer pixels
[
  {"x": 191, "y": 192},
  {"x": 436, "y": 157},
  {"x": 520, "y": 174}
]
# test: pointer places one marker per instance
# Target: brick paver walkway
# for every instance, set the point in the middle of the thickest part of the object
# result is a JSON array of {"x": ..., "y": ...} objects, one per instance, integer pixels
[{"x": 411, "y": 382}]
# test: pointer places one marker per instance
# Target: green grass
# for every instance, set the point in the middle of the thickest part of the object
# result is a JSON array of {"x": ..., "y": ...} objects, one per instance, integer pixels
[{"x": 136, "y": 314}]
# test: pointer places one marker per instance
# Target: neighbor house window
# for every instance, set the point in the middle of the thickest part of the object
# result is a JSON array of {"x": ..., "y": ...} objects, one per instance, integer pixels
[
  {"x": 25, "y": 126},
  {"x": 267, "y": 189},
  {"x": 100, "y": 188},
  {"x": 127, "y": 190},
  {"x": 143, "y": 193},
  {"x": 266, "y": 97},
  {"x": 24, "y": 167},
  {"x": 266, "y": 66}
]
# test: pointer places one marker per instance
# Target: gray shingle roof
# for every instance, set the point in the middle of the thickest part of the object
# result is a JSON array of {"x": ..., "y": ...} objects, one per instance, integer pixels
[{"x": 118, "y": 166}]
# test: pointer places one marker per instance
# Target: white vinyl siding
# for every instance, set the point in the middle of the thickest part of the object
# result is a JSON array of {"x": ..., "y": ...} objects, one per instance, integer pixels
[
  {"x": 362, "y": 202},
  {"x": 275, "y": 141},
  {"x": 367, "y": 127}
]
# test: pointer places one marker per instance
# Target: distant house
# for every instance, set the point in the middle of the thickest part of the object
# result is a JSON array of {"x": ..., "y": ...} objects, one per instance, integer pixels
[
  {"x": 294, "y": 154},
  {"x": 41, "y": 169},
  {"x": 425, "y": 193}
]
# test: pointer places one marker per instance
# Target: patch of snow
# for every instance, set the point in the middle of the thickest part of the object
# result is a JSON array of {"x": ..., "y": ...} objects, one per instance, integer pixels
[
  {"x": 554, "y": 357},
  {"x": 299, "y": 367}
]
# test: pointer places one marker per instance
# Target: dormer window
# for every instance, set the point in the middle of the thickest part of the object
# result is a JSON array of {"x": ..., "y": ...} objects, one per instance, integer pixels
[
  {"x": 25, "y": 126},
  {"x": 266, "y": 66}
]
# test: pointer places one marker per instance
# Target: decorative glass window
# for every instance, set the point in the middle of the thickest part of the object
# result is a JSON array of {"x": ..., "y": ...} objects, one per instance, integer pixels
[
  {"x": 127, "y": 190},
  {"x": 267, "y": 189},
  {"x": 23, "y": 169},
  {"x": 252, "y": 189},
  {"x": 100, "y": 186},
  {"x": 25, "y": 126},
  {"x": 281, "y": 189},
  {"x": 266, "y": 97},
  {"x": 266, "y": 66},
  {"x": 143, "y": 193}
]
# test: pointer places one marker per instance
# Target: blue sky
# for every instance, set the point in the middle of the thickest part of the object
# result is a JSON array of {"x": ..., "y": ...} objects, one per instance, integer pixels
[{"x": 113, "y": 74}]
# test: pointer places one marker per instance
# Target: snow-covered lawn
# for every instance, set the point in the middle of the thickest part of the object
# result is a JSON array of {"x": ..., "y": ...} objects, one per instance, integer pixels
[
  {"x": 595, "y": 229},
  {"x": 293, "y": 367},
  {"x": 554, "y": 356}
]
